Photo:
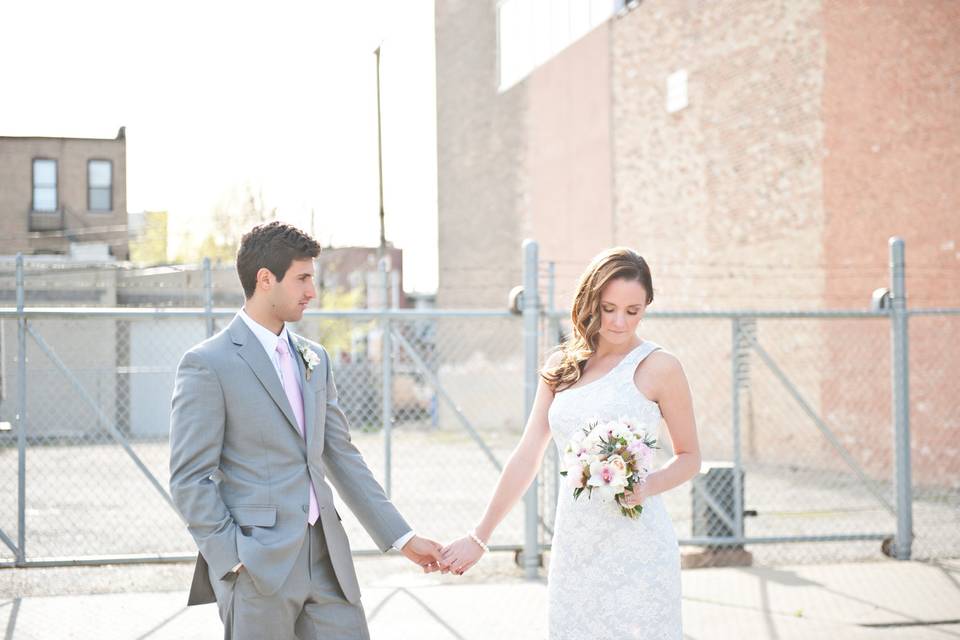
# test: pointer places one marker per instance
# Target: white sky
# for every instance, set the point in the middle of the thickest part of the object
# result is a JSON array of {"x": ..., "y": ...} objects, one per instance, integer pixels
[{"x": 215, "y": 95}]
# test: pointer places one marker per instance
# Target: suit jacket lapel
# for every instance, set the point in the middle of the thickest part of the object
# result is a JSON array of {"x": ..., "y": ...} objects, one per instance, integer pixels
[
  {"x": 253, "y": 354},
  {"x": 309, "y": 391}
]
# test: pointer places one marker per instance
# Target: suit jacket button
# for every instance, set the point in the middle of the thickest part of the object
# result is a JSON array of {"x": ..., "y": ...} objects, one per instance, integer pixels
[{"x": 305, "y": 508}]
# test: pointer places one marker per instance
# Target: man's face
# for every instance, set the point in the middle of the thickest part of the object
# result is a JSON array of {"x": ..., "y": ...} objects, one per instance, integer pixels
[{"x": 289, "y": 297}]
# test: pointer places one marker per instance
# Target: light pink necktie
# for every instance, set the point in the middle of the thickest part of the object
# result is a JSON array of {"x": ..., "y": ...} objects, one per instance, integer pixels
[{"x": 288, "y": 377}]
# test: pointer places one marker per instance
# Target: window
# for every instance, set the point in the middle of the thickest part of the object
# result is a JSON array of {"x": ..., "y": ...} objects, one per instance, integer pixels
[
  {"x": 100, "y": 185},
  {"x": 44, "y": 185}
]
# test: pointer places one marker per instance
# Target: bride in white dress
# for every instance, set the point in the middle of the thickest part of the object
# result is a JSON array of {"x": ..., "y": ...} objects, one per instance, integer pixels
[{"x": 609, "y": 575}]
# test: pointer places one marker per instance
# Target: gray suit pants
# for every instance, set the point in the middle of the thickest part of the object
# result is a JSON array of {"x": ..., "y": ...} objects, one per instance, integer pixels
[{"x": 308, "y": 606}]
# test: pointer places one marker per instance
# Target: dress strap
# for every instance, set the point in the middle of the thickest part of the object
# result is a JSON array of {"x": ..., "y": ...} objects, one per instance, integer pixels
[{"x": 632, "y": 361}]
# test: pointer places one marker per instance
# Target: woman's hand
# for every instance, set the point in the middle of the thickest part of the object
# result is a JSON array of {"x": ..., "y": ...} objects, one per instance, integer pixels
[
  {"x": 521, "y": 468},
  {"x": 634, "y": 497},
  {"x": 460, "y": 555}
]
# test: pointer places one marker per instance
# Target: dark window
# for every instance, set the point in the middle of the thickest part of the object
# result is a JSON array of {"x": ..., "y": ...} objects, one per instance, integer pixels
[
  {"x": 100, "y": 185},
  {"x": 44, "y": 185}
]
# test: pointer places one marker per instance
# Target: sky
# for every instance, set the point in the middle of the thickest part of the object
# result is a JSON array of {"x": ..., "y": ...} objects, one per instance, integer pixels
[{"x": 216, "y": 96}]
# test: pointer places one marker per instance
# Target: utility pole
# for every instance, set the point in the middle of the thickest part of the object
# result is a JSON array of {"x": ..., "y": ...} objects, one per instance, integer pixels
[{"x": 381, "y": 250}]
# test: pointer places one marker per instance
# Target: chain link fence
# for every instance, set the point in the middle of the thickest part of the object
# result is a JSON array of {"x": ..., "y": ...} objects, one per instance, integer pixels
[
  {"x": 800, "y": 404},
  {"x": 935, "y": 425},
  {"x": 793, "y": 409}
]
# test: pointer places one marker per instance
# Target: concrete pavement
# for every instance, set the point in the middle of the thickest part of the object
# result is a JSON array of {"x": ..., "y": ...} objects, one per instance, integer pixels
[{"x": 860, "y": 601}]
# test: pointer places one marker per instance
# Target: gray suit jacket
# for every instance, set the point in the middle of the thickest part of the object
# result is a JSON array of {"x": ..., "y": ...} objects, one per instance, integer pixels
[{"x": 240, "y": 471}]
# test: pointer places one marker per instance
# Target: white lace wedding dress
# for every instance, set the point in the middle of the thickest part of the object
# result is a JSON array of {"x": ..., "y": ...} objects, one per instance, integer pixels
[{"x": 611, "y": 576}]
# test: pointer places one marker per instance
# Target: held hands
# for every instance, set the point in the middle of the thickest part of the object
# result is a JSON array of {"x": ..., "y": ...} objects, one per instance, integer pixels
[
  {"x": 424, "y": 552},
  {"x": 461, "y": 554}
]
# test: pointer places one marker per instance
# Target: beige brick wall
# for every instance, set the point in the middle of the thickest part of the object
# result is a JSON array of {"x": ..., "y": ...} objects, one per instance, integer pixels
[
  {"x": 481, "y": 152},
  {"x": 533, "y": 161},
  {"x": 82, "y": 225},
  {"x": 482, "y": 194},
  {"x": 728, "y": 190},
  {"x": 723, "y": 197},
  {"x": 569, "y": 159}
]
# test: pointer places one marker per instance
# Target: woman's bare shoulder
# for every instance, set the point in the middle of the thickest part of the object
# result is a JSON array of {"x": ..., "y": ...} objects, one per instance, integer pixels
[
  {"x": 661, "y": 366},
  {"x": 664, "y": 361}
]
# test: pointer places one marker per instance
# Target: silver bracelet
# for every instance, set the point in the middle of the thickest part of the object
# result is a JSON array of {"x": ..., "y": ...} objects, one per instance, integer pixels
[{"x": 475, "y": 538}]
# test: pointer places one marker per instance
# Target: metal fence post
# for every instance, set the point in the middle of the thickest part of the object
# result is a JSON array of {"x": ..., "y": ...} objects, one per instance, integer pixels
[
  {"x": 901, "y": 399},
  {"x": 208, "y": 296},
  {"x": 552, "y": 321},
  {"x": 21, "y": 417},
  {"x": 738, "y": 353},
  {"x": 553, "y": 335},
  {"x": 386, "y": 362},
  {"x": 531, "y": 319}
]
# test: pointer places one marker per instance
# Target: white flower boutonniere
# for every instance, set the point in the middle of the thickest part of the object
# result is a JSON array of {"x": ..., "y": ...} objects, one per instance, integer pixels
[{"x": 310, "y": 359}]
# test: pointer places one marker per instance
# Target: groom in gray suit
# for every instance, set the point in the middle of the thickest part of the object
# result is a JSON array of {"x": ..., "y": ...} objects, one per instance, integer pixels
[{"x": 255, "y": 433}]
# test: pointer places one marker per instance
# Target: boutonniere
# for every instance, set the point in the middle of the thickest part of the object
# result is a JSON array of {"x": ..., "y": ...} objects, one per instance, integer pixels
[{"x": 310, "y": 359}]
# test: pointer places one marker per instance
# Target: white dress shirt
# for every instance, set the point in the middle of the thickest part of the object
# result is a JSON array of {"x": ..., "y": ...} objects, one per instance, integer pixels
[{"x": 269, "y": 340}]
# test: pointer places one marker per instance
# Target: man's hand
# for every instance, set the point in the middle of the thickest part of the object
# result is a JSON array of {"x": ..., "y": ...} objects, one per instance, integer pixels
[{"x": 424, "y": 552}]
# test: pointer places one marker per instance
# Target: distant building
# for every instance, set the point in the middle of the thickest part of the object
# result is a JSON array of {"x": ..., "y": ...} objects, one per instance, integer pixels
[
  {"x": 64, "y": 196},
  {"x": 346, "y": 269}
]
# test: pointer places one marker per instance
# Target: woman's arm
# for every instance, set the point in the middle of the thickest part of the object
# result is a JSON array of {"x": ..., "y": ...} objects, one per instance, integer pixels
[
  {"x": 672, "y": 393},
  {"x": 521, "y": 469}
]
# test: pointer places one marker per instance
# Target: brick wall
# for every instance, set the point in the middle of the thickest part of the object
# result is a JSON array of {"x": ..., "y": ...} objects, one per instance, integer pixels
[
  {"x": 723, "y": 197},
  {"x": 891, "y": 111},
  {"x": 815, "y": 130},
  {"x": 481, "y": 152}
]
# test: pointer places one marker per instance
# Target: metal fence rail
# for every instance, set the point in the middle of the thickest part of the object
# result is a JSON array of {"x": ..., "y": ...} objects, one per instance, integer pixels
[{"x": 807, "y": 422}]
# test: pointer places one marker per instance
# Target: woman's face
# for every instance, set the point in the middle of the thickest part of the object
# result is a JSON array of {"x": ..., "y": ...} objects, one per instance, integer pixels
[{"x": 622, "y": 304}]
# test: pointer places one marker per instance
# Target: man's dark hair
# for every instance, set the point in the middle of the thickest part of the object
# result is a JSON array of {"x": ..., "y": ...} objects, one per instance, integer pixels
[{"x": 274, "y": 245}]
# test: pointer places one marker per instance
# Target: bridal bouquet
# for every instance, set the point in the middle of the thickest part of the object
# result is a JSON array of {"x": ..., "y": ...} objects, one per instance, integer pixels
[{"x": 609, "y": 458}]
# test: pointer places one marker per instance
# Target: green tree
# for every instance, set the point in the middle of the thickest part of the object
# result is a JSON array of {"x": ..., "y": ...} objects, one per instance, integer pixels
[
  {"x": 236, "y": 213},
  {"x": 150, "y": 245},
  {"x": 335, "y": 335}
]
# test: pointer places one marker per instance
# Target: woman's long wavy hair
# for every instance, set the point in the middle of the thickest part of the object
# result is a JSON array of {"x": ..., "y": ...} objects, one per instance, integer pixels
[{"x": 612, "y": 264}]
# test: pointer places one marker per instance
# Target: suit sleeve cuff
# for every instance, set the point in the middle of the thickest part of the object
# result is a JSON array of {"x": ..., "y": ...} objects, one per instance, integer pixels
[{"x": 403, "y": 540}]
